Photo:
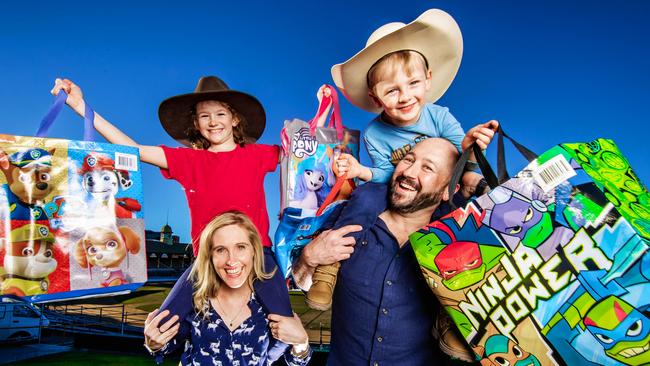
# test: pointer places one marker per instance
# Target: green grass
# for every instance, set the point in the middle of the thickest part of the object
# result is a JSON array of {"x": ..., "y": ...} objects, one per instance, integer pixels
[{"x": 86, "y": 358}]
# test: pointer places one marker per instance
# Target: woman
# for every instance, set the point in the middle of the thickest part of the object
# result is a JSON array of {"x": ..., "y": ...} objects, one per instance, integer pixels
[
  {"x": 223, "y": 328},
  {"x": 217, "y": 125}
]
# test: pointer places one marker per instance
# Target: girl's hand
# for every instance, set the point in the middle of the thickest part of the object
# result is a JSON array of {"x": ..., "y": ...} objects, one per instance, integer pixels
[
  {"x": 482, "y": 134},
  {"x": 75, "y": 96},
  {"x": 156, "y": 337},
  {"x": 325, "y": 91},
  {"x": 287, "y": 329}
]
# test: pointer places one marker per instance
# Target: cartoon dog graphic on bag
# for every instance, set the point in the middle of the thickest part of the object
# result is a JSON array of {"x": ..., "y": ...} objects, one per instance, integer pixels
[
  {"x": 28, "y": 176},
  {"x": 28, "y": 259},
  {"x": 107, "y": 248},
  {"x": 103, "y": 181}
]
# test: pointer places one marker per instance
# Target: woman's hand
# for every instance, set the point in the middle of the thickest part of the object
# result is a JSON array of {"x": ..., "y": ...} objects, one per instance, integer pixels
[
  {"x": 156, "y": 337},
  {"x": 287, "y": 329},
  {"x": 75, "y": 96}
]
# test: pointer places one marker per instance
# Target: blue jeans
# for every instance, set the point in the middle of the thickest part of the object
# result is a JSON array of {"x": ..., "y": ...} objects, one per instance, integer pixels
[{"x": 272, "y": 294}]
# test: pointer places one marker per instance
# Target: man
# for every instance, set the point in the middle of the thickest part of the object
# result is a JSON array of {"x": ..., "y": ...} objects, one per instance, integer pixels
[{"x": 383, "y": 311}]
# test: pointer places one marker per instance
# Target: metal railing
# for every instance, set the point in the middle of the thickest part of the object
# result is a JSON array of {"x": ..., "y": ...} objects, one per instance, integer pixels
[{"x": 95, "y": 318}]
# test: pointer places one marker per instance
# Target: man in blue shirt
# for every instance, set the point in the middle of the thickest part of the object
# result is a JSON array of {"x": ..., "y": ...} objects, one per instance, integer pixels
[{"x": 383, "y": 312}]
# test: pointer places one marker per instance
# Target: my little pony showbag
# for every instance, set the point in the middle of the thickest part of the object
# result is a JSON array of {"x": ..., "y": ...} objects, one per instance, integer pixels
[
  {"x": 310, "y": 149},
  {"x": 311, "y": 188}
]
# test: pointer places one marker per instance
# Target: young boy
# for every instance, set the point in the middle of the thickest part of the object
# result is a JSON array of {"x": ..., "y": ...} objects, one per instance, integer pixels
[{"x": 400, "y": 73}]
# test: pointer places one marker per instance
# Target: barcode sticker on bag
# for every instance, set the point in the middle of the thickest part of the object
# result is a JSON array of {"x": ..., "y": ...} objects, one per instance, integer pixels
[
  {"x": 553, "y": 172},
  {"x": 126, "y": 162}
]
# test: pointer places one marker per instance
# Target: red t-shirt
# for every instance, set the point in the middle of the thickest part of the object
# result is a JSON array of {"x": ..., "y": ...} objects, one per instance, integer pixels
[{"x": 218, "y": 182}]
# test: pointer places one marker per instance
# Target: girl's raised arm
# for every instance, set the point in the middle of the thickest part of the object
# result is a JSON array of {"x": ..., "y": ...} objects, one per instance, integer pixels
[{"x": 149, "y": 154}]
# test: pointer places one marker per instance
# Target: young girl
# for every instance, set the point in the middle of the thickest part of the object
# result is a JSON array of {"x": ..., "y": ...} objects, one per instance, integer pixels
[
  {"x": 223, "y": 328},
  {"x": 219, "y": 170}
]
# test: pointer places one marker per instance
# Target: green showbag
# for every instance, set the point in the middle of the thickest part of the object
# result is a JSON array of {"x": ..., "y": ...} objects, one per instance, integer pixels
[{"x": 551, "y": 267}]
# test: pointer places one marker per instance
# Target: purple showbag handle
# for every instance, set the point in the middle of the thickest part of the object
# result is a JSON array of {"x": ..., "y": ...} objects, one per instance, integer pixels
[{"x": 55, "y": 109}]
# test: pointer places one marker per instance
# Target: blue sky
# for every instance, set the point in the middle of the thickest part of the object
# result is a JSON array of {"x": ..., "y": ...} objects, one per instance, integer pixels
[{"x": 550, "y": 71}]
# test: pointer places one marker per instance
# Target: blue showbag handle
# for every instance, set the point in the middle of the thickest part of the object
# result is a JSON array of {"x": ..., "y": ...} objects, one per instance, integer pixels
[{"x": 55, "y": 109}]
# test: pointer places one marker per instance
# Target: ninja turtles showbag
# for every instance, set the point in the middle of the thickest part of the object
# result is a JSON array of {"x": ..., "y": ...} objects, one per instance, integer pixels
[
  {"x": 551, "y": 267},
  {"x": 71, "y": 215}
]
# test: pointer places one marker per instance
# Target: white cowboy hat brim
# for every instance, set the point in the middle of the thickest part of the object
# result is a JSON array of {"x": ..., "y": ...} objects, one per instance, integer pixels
[{"x": 434, "y": 34}]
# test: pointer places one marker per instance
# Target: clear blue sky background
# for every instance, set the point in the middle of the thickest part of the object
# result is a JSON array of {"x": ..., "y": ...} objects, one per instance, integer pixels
[{"x": 550, "y": 71}]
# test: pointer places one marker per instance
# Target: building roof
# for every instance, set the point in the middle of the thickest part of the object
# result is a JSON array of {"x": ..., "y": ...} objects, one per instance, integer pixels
[
  {"x": 166, "y": 229},
  {"x": 158, "y": 247}
]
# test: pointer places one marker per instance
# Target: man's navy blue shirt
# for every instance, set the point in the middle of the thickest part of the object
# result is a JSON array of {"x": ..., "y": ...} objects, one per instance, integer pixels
[{"x": 383, "y": 311}]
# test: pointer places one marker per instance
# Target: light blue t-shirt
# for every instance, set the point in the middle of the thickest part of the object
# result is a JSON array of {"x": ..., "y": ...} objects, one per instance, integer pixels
[{"x": 387, "y": 144}]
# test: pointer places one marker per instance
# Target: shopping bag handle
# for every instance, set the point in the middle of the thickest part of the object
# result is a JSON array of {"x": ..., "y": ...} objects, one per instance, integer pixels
[
  {"x": 501, "y": 154},
  {"x": 335, "y": 118},
  {"x": 54, "y": 111},
  {"x": 484, "y": 165}
]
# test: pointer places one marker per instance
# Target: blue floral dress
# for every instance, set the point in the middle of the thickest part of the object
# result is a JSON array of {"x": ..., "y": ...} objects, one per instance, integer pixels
[{"x": 212, "y": 343}]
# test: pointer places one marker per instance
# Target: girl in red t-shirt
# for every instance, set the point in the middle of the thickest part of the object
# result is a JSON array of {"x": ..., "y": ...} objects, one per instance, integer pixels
[{"x": 219, "y": 170}]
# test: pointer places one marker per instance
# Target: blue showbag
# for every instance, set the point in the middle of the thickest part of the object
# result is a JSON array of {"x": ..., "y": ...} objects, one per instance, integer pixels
[
  {"x": 71, "y": 215},
  {"x": 295, "y": 231}
]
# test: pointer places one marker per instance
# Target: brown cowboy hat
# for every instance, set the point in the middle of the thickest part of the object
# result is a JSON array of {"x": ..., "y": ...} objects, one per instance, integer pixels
[{"x": 175, "y": 113}]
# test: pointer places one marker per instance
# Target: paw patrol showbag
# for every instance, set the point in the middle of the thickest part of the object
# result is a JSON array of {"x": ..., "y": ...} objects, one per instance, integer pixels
[
  {"x": 71, "y": 216},
  {"x": 552, "y": 267},
  {"x": 310, "y": 149}
]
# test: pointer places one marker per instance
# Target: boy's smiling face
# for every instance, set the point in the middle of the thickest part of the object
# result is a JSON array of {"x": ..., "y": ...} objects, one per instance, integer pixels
[{"x": 402, "y": 94}]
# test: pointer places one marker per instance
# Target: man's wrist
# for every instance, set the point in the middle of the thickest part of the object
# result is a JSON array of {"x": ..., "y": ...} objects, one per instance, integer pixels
[{"x": 307, "y": 257}]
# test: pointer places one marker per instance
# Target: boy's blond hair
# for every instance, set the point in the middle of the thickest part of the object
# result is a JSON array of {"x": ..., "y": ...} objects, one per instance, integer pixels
[{"x": 386, "y": 67}]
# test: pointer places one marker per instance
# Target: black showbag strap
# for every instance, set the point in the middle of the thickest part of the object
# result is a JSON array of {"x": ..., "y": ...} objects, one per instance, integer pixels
[
  {"x": 485, "y": 166},
  {"x": 501, "y": 154}
]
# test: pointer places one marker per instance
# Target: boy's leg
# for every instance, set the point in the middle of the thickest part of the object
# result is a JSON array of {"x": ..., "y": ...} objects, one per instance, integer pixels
[
  {"x": 179, "y": 301},
  {"x": 319, "y": 296},
  {"x": 273, "y": 293}
]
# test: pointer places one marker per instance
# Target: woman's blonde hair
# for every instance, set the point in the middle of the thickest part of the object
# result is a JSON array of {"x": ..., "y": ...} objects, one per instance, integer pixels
[
  {"x": 201, "y": 143},
  {"x": 204, "y": 275},
  {"x": 386, "y": 67}
]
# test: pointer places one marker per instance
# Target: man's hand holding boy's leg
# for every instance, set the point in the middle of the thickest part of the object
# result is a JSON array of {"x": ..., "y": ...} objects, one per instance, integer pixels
[{"x": 329, "y": 247}]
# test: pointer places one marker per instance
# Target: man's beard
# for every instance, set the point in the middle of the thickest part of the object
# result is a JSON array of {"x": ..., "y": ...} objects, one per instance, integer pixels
[{"x": 421, "y": 200}]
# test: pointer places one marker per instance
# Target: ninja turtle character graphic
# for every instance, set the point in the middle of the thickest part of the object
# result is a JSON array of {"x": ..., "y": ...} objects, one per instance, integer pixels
[
  {"x": 459, "y": 263},
  {"x": 530, "y": 221},
  {"x": 622, "y": 330},
  {"x": 502, "y": 351}
]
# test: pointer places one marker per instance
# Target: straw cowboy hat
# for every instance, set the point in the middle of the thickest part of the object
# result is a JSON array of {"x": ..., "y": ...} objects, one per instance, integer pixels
[
  {"x": 175, "y": 113},
  {"x": 434, "y": 34}
]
